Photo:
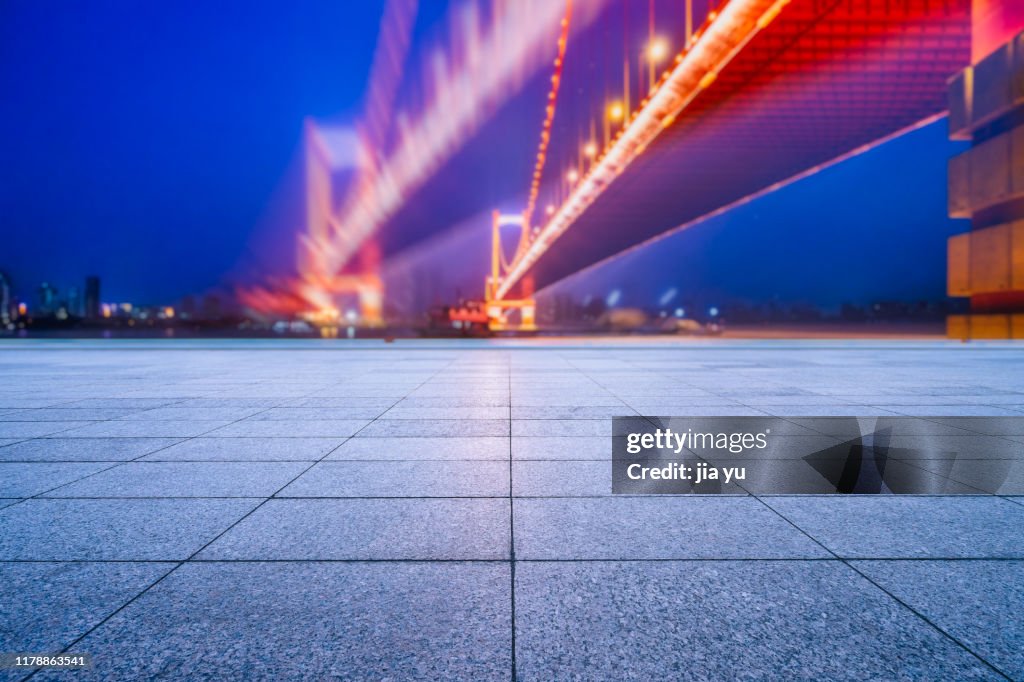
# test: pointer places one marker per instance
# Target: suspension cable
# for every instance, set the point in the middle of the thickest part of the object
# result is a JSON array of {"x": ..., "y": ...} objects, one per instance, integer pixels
[{"x": 545, "y": 132}]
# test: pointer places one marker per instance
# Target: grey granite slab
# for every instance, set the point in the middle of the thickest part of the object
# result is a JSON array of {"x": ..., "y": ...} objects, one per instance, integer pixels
[
  {"x": 176, "y": 413},
  {"x": 369, "y": 529},
  {"x": 436, "y": 478},
  {"x": 144, "y": 429},
  {"x": 424, "y": 413},
  {"x": 363, "y": 412},
  {"x": 295, "y": 428},
  {"x": 561, "y": 478},
  {"x": 312, "y": 621},
  {"x": 36, "y": 429},
  {"x": 786, "y": 620},
  {"x": 19, "y": 479},
  {"x": 414, "y": 448},
  {"x": 562, "y": 447},
  {"x": 186, "y": 479},
  {"x": 247, "y": 449},
  {"x": 979, "y": 603},
  {"x": 691, "y": 527},
  {"x": 83, "y": 449},
  {"x": 871, "y": 527},
  {"x": 66, "y": 414},
  {"x": 47, "y": 606},
  {"x": 438, "y": 428},
  {"x": 125, "y": 530},
  {"x": 561, "y": 427}
]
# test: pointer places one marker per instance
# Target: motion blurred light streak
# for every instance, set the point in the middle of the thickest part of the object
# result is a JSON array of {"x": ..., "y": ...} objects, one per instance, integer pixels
[
  {"x": 487, "y": 63},
  {"x": 723, "y": 37}
]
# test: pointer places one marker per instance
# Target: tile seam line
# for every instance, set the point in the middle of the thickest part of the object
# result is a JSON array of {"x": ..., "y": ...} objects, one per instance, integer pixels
[
  {"x": 846, "y": 561},
  {"x": 181, "y": 563}
]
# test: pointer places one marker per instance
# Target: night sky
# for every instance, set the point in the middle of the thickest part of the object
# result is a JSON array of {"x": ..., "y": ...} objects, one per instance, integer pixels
[{"x": 157, "y": 145}]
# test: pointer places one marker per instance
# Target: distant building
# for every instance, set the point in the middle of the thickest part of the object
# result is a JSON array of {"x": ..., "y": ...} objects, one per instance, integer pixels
[
  {"x": 47, "y": 298},
  {"x": 6, "y": 300},
  {"x": 92, "y": 297},
  {"x": 986, "y": 107},
  {"x": 74, "y": 302}
]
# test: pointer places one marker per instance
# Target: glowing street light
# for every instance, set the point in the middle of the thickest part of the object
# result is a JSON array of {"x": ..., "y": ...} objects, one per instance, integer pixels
[
  {"x": 616, "y": 112},
  {"x": 572, "y": 176},
  {"x": 657, "y": 50},
  {"x": 550, "y": 209},
  {"x": 590, "y": 150}
]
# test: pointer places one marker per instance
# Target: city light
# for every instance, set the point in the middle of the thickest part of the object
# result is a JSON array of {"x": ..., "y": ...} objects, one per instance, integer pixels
[
  {"x": 590, "y": 150},
  {"x": 616, "y": 112},
  {"x": 549, "y": 210},
  {"x": 657, "y": 50},
  {"x": 572, "y": 176}
]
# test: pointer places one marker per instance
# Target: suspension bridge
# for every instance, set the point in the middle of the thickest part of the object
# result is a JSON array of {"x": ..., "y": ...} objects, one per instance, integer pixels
[{"x": 703, "y": 108}]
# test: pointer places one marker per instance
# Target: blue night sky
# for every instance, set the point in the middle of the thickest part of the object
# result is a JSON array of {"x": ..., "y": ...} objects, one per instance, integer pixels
[{"x": 156, "y": 145}]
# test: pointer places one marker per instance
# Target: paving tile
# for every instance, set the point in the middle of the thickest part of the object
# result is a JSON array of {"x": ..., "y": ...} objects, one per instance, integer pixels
[
  {"x": 122, "y": 403},
  {"x": 318, "y": 413},
  {"x": 58, "y": 602},
  {"x": 231, "y": 402},
  {"x": 438, "y": 428},
  {"x": 562, "y": 447},
  {"x": 587, "y": 398},
  {"x": 423, "y": 413},
  {"x": 65, "y": 414},
  {"x": 322, "y": 621},
  {"x": 247, "y": 449},
  {"x": 908, "y": 526},
  {"x": 144, "y": 429},
  {"x": 1000, "y": 476},
  {"x": 124, "y": 530},
  {"x": 186, "y": 479},
  {"x": 413, "y": 448},
  {"x": 561, "y": 427},
  {"x": 83, "y": 449},
  {"x": 296, "y": 428},
  {"x": 1011, "y": 426},
  {"x": 979, "y": 603},
  {"x": 719, "y": 620},
  {"x": 438, "y": 478},
  {"x": 952, "y": 410},
  {"x": 829, "y": 411},
  {"x": 572, "y": 412},
  {"x": 175, "y": 413},
  {"x": 561, "y": 478},
  {"x": 454, "y": 401},
  {"x": 323, "y": 401},
  {"x": 690, "y": 527},
  {"x": 36, "y": 429},
  {"x": 19, "y": 479},
  {"x": 369, "y": 529}
]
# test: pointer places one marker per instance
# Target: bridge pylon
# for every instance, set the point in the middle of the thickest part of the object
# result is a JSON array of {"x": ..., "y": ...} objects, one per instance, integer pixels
[{"x": 498, "y": 307}]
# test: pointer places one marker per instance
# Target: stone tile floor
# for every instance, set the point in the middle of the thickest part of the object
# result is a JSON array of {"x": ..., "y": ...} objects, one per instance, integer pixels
[{"x": 442, "y": 510}]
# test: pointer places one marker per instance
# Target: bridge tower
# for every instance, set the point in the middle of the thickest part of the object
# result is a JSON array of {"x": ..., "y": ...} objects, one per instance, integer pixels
[
  {"x": 498, "y": 307},
  {"x": 986, "y": 183}
]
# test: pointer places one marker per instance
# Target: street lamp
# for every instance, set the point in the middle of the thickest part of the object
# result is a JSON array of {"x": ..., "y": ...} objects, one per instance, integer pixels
[
  {"x": 657, "y": 50},
  {"x": 616, "y": 112}
]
